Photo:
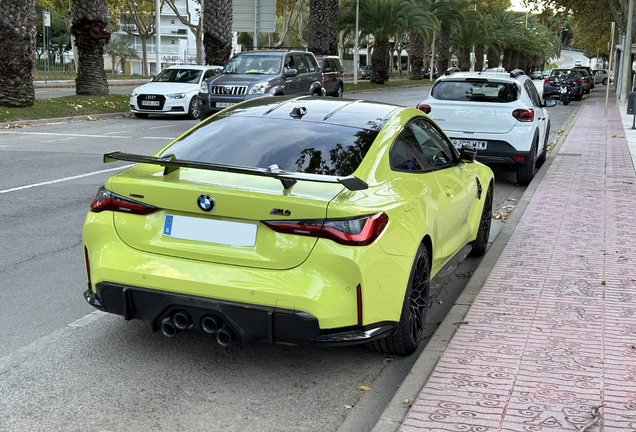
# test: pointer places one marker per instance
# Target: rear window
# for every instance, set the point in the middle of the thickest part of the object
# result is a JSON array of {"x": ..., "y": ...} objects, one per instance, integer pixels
[
  {"x": 296, "y": 146},
  {"x": 563, "y": 73},
  {"x": 475, "y": 91}
]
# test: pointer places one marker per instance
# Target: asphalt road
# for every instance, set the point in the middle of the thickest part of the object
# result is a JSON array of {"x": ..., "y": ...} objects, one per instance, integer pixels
[{"x": 81, "y": 370}]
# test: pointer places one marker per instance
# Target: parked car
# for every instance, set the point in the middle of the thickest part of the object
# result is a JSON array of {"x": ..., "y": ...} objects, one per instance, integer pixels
[
  {"x": 600, "y": 76},
  {"x": 426, "y": 73},
  {"x": 288, "y": 220},
  {"x": 536, "y": 75},
  {"x": 589, "y": 73},
  {"x": 333, "y": 75},
  {"x": 495, "y": 69},
  {"x": 501, "y": 115},
  {"x": 173, "y": 91},
  {"x": 577, "y": 63},
  {"x": 545, "y": 74},
  {"x": 253, "y": 74},
  {"x": 576, "y": 78},
  {"x": 366, "y": 72}
]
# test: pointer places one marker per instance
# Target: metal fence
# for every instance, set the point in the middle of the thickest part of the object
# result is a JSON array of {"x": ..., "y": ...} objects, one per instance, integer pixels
[{"x": 51, "y": 65}]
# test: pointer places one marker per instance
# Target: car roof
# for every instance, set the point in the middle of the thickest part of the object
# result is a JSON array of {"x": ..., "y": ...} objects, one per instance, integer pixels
[
  {"x": 198, "y": 67},
  {"x": 259, "y": 52},
  {"x": 499, "y": 76}
]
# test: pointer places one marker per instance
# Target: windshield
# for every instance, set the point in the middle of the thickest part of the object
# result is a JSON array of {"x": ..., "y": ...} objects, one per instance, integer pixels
[
  {"x": 295, "y": 146},
  {"x": 475, "y": 91},
  {"x": 254, "y": 64},
  {"x": 178, "y": 76}
]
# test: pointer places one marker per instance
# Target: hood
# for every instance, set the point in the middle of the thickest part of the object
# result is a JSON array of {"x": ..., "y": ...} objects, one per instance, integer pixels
[
  {"x": 241, "y": 79},
  {"x": 166, "y": 88}
]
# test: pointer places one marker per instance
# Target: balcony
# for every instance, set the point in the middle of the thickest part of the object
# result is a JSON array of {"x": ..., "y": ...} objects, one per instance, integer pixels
[{"x": 174, "y": 30}]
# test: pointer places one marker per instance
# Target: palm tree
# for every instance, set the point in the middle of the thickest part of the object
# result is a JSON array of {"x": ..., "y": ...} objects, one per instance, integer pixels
[
  {"x": 119, "y": 47},
  {"x": 322, "y": 30},
  {"x": 421, "y": 21},
  {"x": 89, "y": 19},
  {"x": 17, "y": 53},
  {"x": 217, "y": 31},
  {"x": 448, "y": 13},
  {"x": 466, "y": 34},
  {"x": 383, "y": 19}
]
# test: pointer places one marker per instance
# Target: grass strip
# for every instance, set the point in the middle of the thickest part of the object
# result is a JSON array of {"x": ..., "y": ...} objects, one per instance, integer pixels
[{"x": 66, "y": 106}]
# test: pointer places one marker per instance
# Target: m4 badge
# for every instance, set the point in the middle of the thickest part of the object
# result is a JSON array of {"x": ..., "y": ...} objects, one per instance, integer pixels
[{"x": 280, "y": 212}]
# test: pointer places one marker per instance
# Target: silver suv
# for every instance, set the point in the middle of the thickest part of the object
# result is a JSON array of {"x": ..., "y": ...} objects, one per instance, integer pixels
[{"x": 261, "y": 73}]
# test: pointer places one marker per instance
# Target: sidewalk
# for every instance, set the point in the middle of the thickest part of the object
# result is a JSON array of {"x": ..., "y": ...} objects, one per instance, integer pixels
[{"x": 551, "y": 335}]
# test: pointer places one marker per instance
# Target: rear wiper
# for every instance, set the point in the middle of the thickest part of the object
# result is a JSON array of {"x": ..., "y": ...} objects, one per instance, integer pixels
[{"x": 287, "y": 178}]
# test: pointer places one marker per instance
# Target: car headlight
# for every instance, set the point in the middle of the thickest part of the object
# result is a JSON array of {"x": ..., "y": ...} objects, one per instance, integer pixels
[
  {"x": 176, "y": 96},
  {"x": 204, "y": 88},
  {"x": 134, "y": 94},
  {"x": 259, "y": 88}
]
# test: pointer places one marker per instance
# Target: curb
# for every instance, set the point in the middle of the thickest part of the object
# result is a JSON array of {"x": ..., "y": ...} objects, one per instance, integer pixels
[
  {"x": 392, "y": 417},
  {"x": 42, "y": 122}
]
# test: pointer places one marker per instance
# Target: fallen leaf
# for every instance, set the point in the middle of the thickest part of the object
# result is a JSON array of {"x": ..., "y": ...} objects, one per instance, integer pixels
[
  {"x": 513, "y": 199},
  {"x": 364, "y": 388},
  {"x": 603, "y": 283},
  {"x": 386, "y": 360},
  {"x": 406, "y": 401},
  {"x": 348, "y": 406},
  {"x": 440, "y": 302}
]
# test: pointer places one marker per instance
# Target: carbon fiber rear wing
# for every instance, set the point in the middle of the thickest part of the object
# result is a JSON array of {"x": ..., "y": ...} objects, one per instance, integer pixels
[{"x": 288, "y": 179}]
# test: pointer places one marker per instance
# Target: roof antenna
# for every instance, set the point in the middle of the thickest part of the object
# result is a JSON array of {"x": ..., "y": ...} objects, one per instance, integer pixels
[{"x": 298, "y": 112}]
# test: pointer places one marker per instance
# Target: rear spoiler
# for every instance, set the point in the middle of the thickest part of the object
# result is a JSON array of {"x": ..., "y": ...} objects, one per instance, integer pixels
[{"x": 288, "y": 179}]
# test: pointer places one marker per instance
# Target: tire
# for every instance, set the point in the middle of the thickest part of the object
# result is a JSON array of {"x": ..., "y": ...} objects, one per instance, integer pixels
[
  {"x": 604, "y": 81},
  {"x": 141, "y": 115},
  {"x": 541, "y": 159},
  {"x": 194, "y": 112},
  {"x": 565, "y": 98},
  {"x": 339, "y": 91},
  {"x": 481, "y": 242},
  {"x": 406, "y": 337},
  {"x": 525, "y": 172},
  {"x": 588, "y": 90}
]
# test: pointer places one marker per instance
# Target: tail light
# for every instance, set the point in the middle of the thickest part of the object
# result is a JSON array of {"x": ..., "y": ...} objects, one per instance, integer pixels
[
  {"x": 88, "y": 266},
  {"x": 548, "y": 80},
  {"x": 519, "y": 158},
  {"x": 106, "y": 200},
  {"x": 358, "y": 231},
  {"x": 576, "y": 81},
  {"x": 424, "y": 107},
  {"x": 523, "y": 115}
]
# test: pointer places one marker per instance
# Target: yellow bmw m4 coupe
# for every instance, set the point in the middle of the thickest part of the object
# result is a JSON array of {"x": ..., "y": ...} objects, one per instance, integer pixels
[{"x": 289, "y": 220}]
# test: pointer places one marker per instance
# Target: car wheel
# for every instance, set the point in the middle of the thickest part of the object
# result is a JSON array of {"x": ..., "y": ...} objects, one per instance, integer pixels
[
  {"x": 604, "y": 81},
  {"x": 407, "y": 336},
  {"x": 340, "y": 91},
  {"x": 541, "y": 159},
  {"x": 194, "y": 112},
  {"x": 525, "y": 172},
  {"x": 481, "y": 242},
  {"x": 141, "y": 115}
]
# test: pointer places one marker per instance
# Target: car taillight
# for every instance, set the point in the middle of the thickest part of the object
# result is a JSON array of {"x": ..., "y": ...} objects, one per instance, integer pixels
[
  {"x": 106, "y": 200},
  {"x": 577, "y": 81},
  {"x": 88, "y": 266},
  {"x": 548, "y": 80},
  {"x": 523, "y": 115},
  {"x": 424, "y": 107},
  {"x": 358, "y": 231}
]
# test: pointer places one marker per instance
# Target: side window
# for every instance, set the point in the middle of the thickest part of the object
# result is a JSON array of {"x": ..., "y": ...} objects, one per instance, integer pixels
[
  {"x": 301, "y": 65},
  {"x": 338, "y": 64},
  {"x": 532, "y": 92},
  {"x": 404, "y": 154},
  {"x": 311, "y": 62},
  {"x": 289, "y": 62},
  {"x": 433, "y": 145}
]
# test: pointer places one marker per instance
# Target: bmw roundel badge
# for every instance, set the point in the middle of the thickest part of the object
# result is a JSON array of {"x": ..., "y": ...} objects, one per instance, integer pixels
[{"x": 206, "y": 203}]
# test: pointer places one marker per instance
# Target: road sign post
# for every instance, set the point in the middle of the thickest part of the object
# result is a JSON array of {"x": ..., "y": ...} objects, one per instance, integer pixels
[{"x": 46, "y": 22}]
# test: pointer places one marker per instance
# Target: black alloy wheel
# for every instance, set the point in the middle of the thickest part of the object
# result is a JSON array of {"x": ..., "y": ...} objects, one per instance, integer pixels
[
  {"x": 340, "y": 91},
  {"x": 483, "y": 233},
  {"x": 406, "y": 338}
]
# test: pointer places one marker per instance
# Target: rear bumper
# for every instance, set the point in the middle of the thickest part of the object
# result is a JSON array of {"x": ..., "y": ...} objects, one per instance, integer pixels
[{"x": 250, "y": 323}]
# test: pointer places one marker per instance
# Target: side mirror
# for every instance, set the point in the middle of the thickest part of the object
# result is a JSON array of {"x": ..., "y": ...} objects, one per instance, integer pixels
[
  {"x": 468, "y": 153},
  {"x": 290, "y": 73},
  {"x": 549, "y": 102}
]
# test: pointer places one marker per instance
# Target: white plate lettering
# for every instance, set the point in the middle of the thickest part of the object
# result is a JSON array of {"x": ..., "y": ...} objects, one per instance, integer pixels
[
  {"x": 224, "y": 104},
  {"x": 210, "y": 230},
  {"x": 479, "y": 145},
  {"x": 150, "y": 103}
]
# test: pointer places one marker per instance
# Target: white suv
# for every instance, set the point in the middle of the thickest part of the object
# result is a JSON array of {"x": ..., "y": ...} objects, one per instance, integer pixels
[
  {"x": 499, "y": 114},
  {"x": 173, "y": 91}
]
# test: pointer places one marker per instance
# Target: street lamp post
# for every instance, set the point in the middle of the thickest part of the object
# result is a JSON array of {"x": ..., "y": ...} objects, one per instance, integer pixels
[
  {"x": 158, "y": 35},
  {"x": 355, "y": 53}
]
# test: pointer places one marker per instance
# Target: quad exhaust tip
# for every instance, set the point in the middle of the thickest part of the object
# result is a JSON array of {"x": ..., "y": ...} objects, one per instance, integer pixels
[
  {"x": 225, "y": 337},
  {"x": 212, "y": 325}
]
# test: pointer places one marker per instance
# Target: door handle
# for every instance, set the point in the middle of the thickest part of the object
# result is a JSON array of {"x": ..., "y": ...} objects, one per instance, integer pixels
[{"x": 449, "y": 192}]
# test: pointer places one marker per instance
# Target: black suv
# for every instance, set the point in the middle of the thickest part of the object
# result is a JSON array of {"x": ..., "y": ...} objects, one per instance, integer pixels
[{"x": 261, "y": 73}]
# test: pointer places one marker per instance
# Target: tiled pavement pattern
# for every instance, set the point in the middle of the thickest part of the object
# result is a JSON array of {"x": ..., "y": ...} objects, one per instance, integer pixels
[{"x": 552, "y": 333}]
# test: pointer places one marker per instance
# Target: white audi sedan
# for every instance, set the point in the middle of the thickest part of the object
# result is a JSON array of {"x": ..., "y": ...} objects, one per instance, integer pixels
[
  {"x": 500, "y": 114},
  {"x": 173, "y": 91}
]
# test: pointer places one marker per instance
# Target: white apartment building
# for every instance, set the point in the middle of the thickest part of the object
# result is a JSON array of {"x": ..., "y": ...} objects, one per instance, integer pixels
[{"x": 178, "y": 44}]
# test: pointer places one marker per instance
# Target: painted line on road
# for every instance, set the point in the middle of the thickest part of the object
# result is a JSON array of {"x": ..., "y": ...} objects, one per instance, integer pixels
[
  {"x": 65, "y": 134},
  {"x": 118, "y": 132},
  {"x": 59, "y": 139},
  {"x": 65, "y": 179},
  {"x": 161, "y": 127}
]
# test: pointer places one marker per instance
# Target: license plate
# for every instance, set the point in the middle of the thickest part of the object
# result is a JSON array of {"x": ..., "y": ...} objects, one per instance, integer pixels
[
  {"x": 150, "y": 103},
  {"x": 564, "y": 90},
  {"x": 210, "y": 230},
  {"x": 224, "y": 104},
  {"x": 479, "y": 145}
]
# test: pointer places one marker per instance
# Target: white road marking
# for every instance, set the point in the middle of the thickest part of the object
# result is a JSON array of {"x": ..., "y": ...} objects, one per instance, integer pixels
[
  {"x": 59, "y": 139},
  {"x": 118, "y": 132},
  {"x": 86, "y": 136},
  {"x": 64, "y": 179},
  {"x": 161, "y": 127}
]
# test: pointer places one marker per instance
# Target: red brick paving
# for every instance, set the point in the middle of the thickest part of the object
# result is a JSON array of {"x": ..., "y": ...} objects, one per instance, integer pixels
[{"x": 552, "y": 333}]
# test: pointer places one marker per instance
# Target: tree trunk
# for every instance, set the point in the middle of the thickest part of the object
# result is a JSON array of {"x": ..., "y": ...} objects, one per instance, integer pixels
[
  {"x": 493, "y": 57},
  {"x": 217, "y": 31},
  {"x": 463, "y": 59},
  {"x": 144, "y": 56},
  {"x": 17, "y": 53},
  {"x": 416, "y": 55},
  {"x": 479, "y": 57},
  {"x": 507, "y": 59},
  {"x": 322, "y": 30},
  {"x": 380, "y": 59},
  {"x": 444, "y": 56},
  {"x": 88, "y": 24}
]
